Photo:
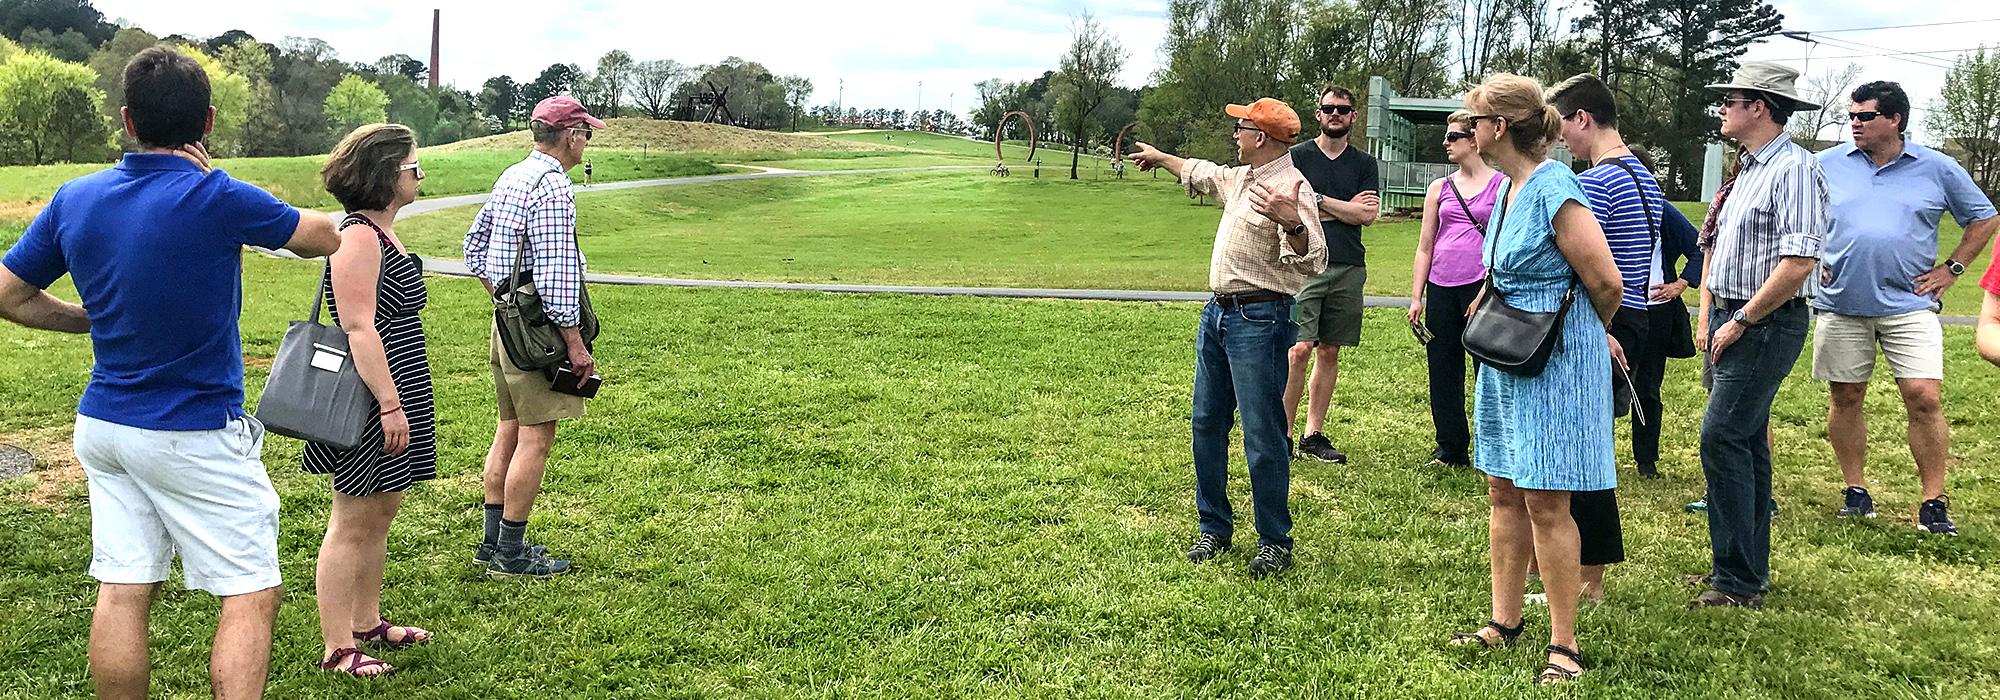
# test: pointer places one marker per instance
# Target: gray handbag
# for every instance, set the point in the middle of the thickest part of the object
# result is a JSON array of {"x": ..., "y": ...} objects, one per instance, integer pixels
[{"x": 315, "y": 394}]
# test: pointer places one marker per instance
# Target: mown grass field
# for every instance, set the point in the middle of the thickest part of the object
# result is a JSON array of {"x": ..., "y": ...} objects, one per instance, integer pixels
[
  {"x": 947, "y": 228},
  {"x": 806, "y": 495}
]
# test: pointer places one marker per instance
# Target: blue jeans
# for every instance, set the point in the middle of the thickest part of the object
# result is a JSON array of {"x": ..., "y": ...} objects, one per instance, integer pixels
[
  {"x": 1734, "y": 454},
  {"x": 1240, "y": 365}
]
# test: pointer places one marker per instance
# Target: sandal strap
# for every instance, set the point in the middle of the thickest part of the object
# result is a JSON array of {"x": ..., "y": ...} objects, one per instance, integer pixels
[
  {"x": 1508, "y": 632},
  {"x": 1567, "y": 652},
  {"x": 1554, "y": 672},
  {"x": 381, "y": 631},
  {"x": 333, "y": 661}
]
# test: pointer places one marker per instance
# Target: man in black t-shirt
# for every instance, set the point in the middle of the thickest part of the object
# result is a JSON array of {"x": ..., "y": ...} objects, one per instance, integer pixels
[{"x": 1329, "y": 308}]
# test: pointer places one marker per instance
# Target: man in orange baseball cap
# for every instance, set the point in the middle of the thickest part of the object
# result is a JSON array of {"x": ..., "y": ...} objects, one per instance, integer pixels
[{"x": 1263, "y": 254}]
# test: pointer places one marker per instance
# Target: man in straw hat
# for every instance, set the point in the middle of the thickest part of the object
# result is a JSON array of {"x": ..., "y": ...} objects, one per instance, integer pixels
[
  {"x": 1763, "y": 235},
  {"x": 1268, "y": 243}
]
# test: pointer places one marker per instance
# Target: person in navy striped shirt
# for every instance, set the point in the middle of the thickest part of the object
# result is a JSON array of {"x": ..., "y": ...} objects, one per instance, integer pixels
[{"x": 1647, "y": 236}]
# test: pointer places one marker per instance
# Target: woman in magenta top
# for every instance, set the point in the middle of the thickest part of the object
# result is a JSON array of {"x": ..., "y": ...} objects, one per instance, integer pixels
[{"x": 1447, "y": 277}]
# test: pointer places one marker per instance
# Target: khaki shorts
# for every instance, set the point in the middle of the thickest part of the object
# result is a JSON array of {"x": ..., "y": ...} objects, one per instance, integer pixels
[
  {"x": 1844, "y": 346},
  {"x": 525, "y": 397},
  {"x": 1329, "y": 308}
]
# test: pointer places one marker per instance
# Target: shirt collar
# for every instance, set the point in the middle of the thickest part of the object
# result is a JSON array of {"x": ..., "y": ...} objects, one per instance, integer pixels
[
  {"x": 1769, "y": 151},
  {"x": 156, "y": 161},
  {"x": 547, "y": 160},
  {"x": 1911, "y": 151},
  {"x": 1283, "y": 162}
]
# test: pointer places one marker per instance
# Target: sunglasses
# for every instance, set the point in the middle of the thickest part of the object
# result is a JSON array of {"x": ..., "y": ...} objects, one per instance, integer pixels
[
  {"x": 412, "y": 166},
  {"x": 1241, "y": 127},
  {"x": 1456, "y": 136},
  {"x": 1863, "y": 117},
  {"x": 1738, "y": 101},
  {"x": 1422, "y": 332},
  {"x": 586, "y": 132},
  {"x": 1336, "y": 109}
]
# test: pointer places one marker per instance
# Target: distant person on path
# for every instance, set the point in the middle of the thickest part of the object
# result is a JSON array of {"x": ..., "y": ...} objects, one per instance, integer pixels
[
  {"x": 1541, "y": 438},
  {"x": 533, "y": 205},
  {"x": 1344, "y": 184},
  {"x": 155, "y": 247},
  {"x": 1446, "y": 276},
  {"x": 1268, "y": 243},
  {"x": 1880, "y": 285},
  {"x": 1764, "y": 237},
  {"x": 375, "y": 290}
]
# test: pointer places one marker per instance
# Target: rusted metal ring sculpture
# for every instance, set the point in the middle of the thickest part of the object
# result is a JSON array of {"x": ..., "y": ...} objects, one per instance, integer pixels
[
  {"x": 1000, "y": 133},
  {"x": 1118, "y": 144}
]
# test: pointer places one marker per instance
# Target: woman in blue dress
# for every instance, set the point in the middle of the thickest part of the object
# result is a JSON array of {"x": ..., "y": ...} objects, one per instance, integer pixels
[{"x": 1540, "y": 438}]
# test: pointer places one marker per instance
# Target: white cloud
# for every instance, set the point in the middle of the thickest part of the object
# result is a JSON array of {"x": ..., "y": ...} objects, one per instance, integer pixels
[{"x": 880, "y": 49}]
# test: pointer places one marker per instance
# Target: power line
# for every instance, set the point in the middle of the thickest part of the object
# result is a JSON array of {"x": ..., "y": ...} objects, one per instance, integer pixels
[
  {"x": 1883, "y": 52},
  {"x": 1906, "y": 26},
  {"x": 1877, "y": 55}
]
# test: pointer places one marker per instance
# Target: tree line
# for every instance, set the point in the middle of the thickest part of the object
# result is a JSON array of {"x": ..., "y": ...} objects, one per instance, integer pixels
[
  {"x": 1656, "y": 54},
  {"x": 62, "y": 63}
]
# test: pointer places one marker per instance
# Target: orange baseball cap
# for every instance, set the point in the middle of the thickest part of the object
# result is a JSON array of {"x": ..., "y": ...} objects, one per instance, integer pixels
[{"x": 1273, "y": 117}]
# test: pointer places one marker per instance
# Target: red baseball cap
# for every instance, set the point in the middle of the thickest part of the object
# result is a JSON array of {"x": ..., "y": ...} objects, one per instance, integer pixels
[
  {"x": 1273, "y": 117},
  {"x": 563, "y": 110}
]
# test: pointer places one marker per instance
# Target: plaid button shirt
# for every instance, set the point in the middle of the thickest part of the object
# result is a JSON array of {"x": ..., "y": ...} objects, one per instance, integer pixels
[
  {"x": 547, "y": 214},
  {"x": 1252, "y": 252}
]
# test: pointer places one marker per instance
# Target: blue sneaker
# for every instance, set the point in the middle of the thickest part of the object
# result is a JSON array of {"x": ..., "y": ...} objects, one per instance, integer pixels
[
  {"x": 1933, "y": 519},
  {"x": 1859, "y": 503}
]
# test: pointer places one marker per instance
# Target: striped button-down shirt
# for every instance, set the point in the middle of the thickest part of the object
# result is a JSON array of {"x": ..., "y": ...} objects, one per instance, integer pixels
[
  {"x": 1251, "y": 251},
  {"x": 1777, "y": 209},
  {"x": 544, "y": 208}
]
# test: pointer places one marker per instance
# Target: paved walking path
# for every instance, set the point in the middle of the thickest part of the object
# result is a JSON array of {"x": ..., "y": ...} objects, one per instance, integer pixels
[{"x": 456, "y": 268}]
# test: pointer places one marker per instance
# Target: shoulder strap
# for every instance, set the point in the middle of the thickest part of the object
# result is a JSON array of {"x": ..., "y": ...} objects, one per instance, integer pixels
[
  {"x": 521, "y": 251},
  {"x": 326, "y": 277},
  {"x": 1646, "y": 202},
  {"x": 1462, "y": 205}
]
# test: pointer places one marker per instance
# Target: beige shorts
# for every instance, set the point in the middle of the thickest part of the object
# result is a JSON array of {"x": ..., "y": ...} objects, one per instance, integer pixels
[
  {"x": 1844, "y": 346},
  {"x": 525, "y": 397}
]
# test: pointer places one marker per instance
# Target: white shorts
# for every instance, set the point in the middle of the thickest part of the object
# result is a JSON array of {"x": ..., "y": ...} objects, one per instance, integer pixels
[
  {"x": 202, "y": 492},
  {"x": 1844, "y": 346}
]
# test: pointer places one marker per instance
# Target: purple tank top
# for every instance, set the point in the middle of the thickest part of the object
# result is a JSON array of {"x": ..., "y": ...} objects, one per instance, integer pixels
[{"x": 1455, "y": 255}]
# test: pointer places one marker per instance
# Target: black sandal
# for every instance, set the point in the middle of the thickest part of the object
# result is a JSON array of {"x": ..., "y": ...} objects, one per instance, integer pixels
[
  {"x": 1553, "y": 674},
  {"x": 1507, "y": 635}
]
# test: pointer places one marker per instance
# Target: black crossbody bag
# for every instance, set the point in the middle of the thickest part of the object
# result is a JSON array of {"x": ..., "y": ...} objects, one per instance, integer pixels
[{"x": 1506, "y": 338}]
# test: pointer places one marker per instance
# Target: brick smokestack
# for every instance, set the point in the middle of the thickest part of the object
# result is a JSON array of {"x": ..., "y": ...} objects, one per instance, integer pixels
[{"x": 436, "y": 17}]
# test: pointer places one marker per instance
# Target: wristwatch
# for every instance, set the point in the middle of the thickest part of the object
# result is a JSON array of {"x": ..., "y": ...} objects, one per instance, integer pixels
[
  {"x": 1957, "y": 268},
  {"x": 1319, "y": 200},
  {"x": 1296, "y": 230},
  {"x": 1742, "y": 319}
]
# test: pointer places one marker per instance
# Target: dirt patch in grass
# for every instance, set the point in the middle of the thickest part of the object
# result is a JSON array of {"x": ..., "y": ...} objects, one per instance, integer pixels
[{"x": 55, "y": 464}]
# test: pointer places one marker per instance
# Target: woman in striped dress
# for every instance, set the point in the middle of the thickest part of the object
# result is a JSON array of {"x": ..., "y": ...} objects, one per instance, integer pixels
[
  {"x": 1540, "y": 438},
  {"x": 375, "y": 291}
]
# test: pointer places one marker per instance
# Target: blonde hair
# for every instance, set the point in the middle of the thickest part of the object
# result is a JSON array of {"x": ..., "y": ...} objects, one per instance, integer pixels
[
  {"x": 1532, "y": 124},
  {"x": 1459, "y": 117}
]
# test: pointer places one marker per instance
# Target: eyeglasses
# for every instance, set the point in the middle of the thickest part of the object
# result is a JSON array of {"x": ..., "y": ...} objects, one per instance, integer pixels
[
  {"x": 1241, "y": 127},
  {"x": 1863, "y": 117},
  {"x": 1572, "y": 115},
  {"x": 1342, "y": 110},
  {"x": 1727, "y": 101},
  {"x": 1455, "y": 136},
  {"x": 412, "y": 166},
  {"x": 1474, "y": 119}
]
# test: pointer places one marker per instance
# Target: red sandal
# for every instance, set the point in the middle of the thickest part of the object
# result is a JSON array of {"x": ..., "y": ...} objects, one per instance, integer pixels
[
  {"x": 379, "y": 637},
  {"x": 363, "y": 661}
]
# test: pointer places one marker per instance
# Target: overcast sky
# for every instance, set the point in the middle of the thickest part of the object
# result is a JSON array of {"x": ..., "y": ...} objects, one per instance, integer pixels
[{"x": 882, "y": 49}]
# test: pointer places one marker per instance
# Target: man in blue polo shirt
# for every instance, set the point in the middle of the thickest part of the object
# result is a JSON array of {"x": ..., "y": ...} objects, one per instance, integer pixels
[
  {"x": 154, "y": 246},
  {"x": 1880, "y": 283}
]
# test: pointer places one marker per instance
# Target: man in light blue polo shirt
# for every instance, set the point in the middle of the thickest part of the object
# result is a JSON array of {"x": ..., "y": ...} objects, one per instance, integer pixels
[
  {"x": 1880, "y": 283},
  {"x": 155, "y": 247}
]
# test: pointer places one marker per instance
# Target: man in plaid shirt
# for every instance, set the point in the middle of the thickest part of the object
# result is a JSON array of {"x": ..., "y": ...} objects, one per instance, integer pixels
[
  {"x": 532, "y": 201},
  {"x": 1268, "y": 243}
]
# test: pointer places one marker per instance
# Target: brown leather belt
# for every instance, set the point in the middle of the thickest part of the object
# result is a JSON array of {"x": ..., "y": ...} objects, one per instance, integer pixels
[{"x": 1230, "y": 301}]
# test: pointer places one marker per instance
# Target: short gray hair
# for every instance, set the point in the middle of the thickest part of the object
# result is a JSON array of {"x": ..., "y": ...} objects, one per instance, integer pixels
[{"x": 545, "y": 133}]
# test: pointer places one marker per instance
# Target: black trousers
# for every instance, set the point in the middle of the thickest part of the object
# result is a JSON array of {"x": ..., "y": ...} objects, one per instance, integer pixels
[
  {"x": 1647, "y": 337},
  {"x": 1597, "y": 526},
  {"x": 1444, "y": 314}
]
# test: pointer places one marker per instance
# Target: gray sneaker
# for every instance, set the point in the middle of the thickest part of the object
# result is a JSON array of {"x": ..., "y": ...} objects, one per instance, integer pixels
[
  {"x": 528, "y": 565},
  {"x": 484, "y": 552}
]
